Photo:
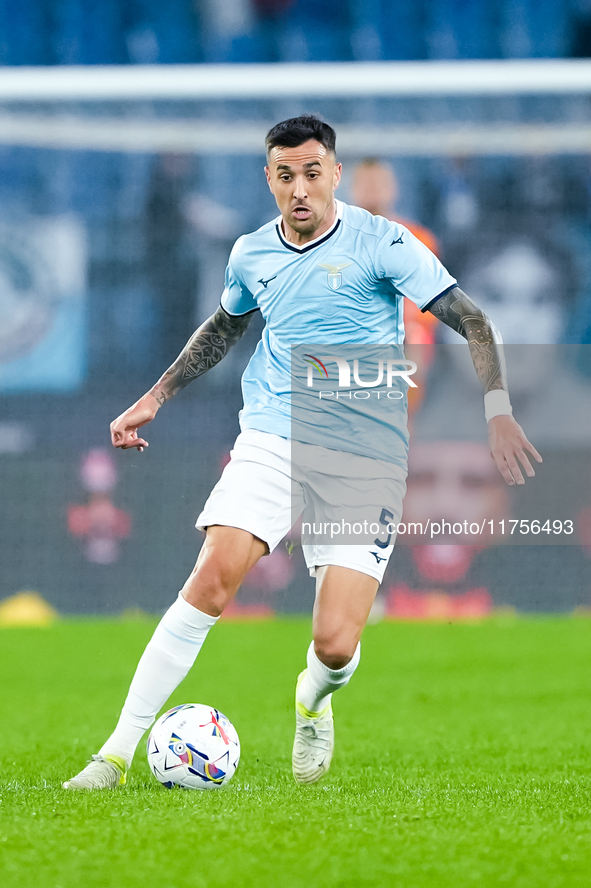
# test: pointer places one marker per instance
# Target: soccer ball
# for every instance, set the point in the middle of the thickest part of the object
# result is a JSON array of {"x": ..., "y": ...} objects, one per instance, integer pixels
[{"x": 193, "y": 746}]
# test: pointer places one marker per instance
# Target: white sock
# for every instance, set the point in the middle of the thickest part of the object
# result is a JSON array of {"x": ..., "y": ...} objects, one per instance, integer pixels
[
  {"x": 316, "y": 688},
  {"x": 165, "y": 662}
]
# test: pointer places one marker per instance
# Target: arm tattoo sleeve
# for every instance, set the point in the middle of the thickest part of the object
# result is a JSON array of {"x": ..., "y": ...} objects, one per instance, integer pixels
[
  {"x": 206, "y": 348},
  {"x": 484, "y": 340}
]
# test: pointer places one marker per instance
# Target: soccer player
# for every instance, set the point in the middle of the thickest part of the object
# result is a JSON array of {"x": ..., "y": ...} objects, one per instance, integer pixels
[{"x": 322, "y": 272}]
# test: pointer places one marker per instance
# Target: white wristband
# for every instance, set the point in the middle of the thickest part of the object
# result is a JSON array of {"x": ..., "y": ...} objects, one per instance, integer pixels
[{"x": 496, "y": 403}]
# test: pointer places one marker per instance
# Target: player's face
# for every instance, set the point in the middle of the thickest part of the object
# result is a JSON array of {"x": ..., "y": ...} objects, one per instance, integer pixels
[{"x": 303, "y": 182}]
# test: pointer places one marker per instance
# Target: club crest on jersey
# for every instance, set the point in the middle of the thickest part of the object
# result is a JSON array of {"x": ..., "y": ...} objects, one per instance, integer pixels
[{"x": 334, "y": 277}]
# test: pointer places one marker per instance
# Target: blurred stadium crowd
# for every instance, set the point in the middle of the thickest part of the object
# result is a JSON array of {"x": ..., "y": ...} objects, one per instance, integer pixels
[{"x": 87, "y": 32}]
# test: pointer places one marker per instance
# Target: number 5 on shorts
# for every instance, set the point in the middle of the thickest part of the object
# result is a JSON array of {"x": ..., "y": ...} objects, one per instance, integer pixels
[{"x": 386, "y": 518}]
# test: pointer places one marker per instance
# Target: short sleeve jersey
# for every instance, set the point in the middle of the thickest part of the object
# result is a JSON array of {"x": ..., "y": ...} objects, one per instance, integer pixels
[{"x": 347, "y": 286}]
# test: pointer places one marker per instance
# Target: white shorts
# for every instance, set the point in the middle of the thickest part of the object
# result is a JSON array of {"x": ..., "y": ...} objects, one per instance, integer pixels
[{"x": 264, "y": 491}]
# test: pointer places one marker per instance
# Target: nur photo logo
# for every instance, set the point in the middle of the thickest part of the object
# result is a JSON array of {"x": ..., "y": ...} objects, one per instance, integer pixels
[{"x": 386, "y": 371}]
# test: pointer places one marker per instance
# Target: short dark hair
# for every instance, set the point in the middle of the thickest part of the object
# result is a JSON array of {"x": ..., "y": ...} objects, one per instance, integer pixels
[{"x": 297, "y": 130}]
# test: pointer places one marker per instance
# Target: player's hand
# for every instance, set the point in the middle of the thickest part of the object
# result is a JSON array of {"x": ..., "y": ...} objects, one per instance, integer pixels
[
  {"x": 509, "y": 447},
  {"x": 124, "y": 428}
]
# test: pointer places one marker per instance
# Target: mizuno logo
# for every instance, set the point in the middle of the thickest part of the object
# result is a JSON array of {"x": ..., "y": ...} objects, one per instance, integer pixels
[
  {"x": 397, "y": 241},
  {"x": 266, "y": 282},
  {"x": 377, "y": 557}
]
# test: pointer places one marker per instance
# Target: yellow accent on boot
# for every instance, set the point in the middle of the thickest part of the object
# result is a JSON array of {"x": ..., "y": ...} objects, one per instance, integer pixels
[
  {"x": 307, "y": 713},
  {"x": 120, "y": 765},
  {"x": 303, "y": 711}
]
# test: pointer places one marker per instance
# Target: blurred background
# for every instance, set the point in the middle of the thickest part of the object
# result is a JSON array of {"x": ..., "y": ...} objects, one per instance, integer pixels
[{"x": 118, "y": 212}]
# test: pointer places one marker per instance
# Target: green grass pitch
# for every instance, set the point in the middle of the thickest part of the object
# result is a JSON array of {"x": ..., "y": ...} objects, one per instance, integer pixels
[{"x": 462, "y": 759}]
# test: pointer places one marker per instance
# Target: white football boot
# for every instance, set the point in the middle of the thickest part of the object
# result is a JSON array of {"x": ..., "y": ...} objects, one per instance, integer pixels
[
  {"x": 314, "y": 742},
  {"x": 103, "y": 772}
]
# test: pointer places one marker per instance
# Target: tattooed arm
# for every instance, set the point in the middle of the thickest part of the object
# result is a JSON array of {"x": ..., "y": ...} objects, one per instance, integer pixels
[
  {"x": 206, "y": 348},
  {"x": 458, "y": 311},
  {"x": 507, "y": 439}
]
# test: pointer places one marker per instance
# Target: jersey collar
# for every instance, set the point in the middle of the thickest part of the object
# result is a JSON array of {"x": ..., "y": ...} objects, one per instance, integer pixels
[{"x": 318, "y": 240}]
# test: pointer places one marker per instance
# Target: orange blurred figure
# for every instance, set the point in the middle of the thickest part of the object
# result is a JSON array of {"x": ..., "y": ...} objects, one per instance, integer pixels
[{"x": 375, "y": 189}]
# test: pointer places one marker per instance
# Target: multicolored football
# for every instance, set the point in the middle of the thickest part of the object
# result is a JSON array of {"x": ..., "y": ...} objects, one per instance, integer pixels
[{"x": 193, "y": 746}]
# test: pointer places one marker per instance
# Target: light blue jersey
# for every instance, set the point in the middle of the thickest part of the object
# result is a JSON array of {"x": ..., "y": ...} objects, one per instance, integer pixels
[{"x": 345, "y": 287}]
